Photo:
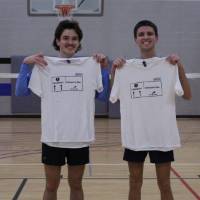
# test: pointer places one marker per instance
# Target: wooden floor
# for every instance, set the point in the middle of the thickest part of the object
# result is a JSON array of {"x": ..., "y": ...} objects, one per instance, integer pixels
[{"x": 106, "y": 178}]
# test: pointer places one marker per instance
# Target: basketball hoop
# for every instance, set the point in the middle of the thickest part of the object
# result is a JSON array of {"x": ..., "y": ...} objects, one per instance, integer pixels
[{"x": 65, "y": 9}]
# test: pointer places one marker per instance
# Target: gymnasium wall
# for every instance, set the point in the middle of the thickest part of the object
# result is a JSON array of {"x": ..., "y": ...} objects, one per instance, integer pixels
[{"x": 179, "y": 31}]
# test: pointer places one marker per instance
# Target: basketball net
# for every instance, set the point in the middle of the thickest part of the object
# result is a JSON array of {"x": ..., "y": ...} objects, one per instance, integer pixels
[{"x": 64, "y": 11}]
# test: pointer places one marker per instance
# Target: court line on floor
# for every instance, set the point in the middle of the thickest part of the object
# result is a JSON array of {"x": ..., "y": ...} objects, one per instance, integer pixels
[
  {"x": 97, "y": 164},
  {"x": 187, "y": 186},
  {"x": 11, "y": 152},
  {"x": 18, "y": 192},
  {"x": 90, "y": 178},
  {"x": 14, "y": 155}
]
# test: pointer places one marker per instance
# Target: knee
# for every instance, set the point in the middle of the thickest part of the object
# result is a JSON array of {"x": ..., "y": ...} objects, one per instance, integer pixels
[
  {"x": 75, "y": 183},
  {"x": 135, "y": 182},
  {"x": 52, "y": 186},
  {"x": 164, "y": 185}
]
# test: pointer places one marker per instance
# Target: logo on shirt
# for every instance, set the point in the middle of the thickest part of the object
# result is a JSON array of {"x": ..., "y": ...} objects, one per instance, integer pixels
[
  {"x": 146, "y": 88},
  {"x": 67, "y": 83}
]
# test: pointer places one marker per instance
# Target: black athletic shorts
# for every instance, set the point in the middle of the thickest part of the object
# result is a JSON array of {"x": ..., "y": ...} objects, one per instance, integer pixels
[
  {"x": 59, "y": 156},
  {"x": 155, "y": 156}
]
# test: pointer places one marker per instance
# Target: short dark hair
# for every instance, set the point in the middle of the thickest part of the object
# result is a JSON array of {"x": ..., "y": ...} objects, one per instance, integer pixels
[
  {"x": 145, "y": 23},
  {"x": 67, "y": 24}
]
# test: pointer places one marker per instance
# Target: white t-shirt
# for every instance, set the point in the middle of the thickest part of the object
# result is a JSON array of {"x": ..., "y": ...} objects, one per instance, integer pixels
[
  {"x": 67, "y": 90},
  {"x": 146, "y": 91}
]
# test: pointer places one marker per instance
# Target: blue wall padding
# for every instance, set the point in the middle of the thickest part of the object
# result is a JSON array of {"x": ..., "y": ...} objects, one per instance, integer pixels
[{"x": 5, "y": 89}]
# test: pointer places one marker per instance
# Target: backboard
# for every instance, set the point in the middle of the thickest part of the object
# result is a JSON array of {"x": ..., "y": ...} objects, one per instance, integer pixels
[{"x": 47, "y": 7}]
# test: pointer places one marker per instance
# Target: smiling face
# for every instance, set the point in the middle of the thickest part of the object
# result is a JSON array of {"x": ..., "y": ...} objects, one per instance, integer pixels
[
  {"x": 146, "y": 40},
  {"x": 68, "y": 43}
]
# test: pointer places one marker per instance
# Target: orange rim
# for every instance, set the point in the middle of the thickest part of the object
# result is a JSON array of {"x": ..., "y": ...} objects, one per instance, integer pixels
[{"x": 65, "y": 9}]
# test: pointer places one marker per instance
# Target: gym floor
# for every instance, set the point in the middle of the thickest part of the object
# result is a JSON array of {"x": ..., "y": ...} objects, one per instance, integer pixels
[{"x": 106, "y": 177}]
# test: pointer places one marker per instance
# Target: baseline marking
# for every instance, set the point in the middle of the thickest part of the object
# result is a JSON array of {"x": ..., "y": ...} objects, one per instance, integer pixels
[
  {"x": 18, "y": 192},
  {"x": 98, "y": 164},
  {"x": 185, "y": 184}
]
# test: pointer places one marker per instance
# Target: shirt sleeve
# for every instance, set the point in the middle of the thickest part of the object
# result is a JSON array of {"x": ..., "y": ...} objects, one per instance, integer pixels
[
  {"x": 21, "y": 87},
  {"x": 103, "y": 96},
  {"x": 178, "y": 88},
  {"x": 99, "y": 84},
  {"x": 35, "y": 81},
  {"x": 115, "y": 91}
]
